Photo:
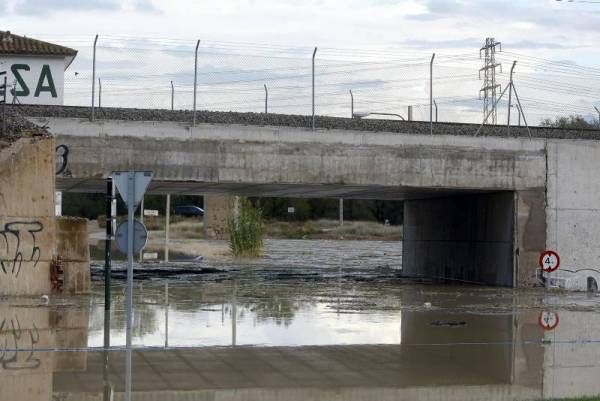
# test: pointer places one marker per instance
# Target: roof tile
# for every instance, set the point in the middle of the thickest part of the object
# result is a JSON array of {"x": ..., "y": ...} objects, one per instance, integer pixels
[{"x": 15, "y": 44}]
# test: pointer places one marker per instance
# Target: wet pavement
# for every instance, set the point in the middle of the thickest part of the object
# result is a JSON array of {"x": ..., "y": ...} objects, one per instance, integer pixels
[{"x": 347, "y": 334}]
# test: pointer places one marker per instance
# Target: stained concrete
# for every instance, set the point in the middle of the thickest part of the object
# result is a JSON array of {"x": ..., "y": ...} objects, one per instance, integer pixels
[
  {"x": 217, "y": 210},
  {"x": 73, "y": 248},
  {"x": 27, "y": 225}
]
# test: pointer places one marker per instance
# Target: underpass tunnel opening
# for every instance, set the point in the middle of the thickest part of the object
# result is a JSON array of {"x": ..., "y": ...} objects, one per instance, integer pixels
[{"x": 468, "y": 238}]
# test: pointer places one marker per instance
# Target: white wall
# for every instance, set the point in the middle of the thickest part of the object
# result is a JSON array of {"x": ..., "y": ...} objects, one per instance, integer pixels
[{"x": 30, "y": 74}]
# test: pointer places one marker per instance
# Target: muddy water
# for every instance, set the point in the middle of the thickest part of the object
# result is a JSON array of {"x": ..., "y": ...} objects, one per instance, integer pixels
[{"x": 270, "y": 331}]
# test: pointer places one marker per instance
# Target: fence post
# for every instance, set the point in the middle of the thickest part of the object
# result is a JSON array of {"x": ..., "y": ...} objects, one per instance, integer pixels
[
  {"x": 94, "y": 77},
  {"x": 195, "y": 79},
  {"x": 266, "y": 99},
  {"x": 510, "y": 87},
  {"x": 5, "y": 87},
  {"x": 313, "y": 88},
  {"x": 172, "y": 95},
  {"x": 431, "y": 95}
]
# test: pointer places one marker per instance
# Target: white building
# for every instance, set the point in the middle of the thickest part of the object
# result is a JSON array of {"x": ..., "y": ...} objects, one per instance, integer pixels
[{"x": 34, "y": 70}]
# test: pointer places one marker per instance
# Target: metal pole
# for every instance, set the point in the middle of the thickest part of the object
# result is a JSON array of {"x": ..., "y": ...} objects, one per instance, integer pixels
[
  {"x": 431, "y": 94},
  {"x": 597, "y": 111},
  {"x": 94, "y": 77},
  {"x": 341, "y": 211},
  {"x": 107, "y": 243},
  {"x": 107, "y": 393},
  {"x": 410, "y": 113},
  {"x": 99, "y": 93},
  {"x": 129, "y": 308},
  {"x": 351, "y": 104},
  {"x": 490, "y": 112},
  {"x": 266, "y": 99},
  {"x": 4, "y": 107},
  {"x": 522, "y": 112},
  {"x": 172, "y": 95},
  {"x": 166, "y": 315},
  {"x": 234, "y": 315},
  {"x": 195, "y": 79},
  {"x": 510, "y": 86},
  {"x": 436, "y": 111},
  {"x": 142, "y": 211},
  {"x": 167, "y": 221},
  {"x": 313, "y": 88}
]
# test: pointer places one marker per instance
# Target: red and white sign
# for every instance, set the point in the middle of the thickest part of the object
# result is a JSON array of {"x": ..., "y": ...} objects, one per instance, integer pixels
[
  {"x": 548, "y": 320},
  {"x": 549, "y": 261}
]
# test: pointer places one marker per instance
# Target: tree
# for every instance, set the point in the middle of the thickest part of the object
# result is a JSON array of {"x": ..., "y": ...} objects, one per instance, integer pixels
[{"x": 571, "y": 122}]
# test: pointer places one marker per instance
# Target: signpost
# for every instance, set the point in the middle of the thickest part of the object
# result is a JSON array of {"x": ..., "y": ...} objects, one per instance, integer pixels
[{"x": 131, "y": 186}]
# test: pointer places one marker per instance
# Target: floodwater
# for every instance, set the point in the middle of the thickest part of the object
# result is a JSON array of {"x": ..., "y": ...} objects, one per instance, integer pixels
[{"x": 269, "y": 331}]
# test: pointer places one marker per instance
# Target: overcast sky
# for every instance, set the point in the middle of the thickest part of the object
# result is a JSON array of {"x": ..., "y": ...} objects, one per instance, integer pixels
[{"x": 545, "y": 29}]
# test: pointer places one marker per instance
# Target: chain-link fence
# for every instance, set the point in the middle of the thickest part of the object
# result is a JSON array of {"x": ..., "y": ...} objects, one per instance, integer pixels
[{"x": 159, "y": 74}]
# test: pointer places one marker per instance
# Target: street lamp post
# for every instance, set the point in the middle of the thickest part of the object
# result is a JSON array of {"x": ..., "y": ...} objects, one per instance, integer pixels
[{"x": 374, "y": 113}]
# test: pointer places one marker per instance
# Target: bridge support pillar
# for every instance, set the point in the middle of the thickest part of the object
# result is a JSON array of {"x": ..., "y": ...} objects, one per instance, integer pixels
[
  {"x": 217, "y": 209},
  {"x": 467, "y": 238}
]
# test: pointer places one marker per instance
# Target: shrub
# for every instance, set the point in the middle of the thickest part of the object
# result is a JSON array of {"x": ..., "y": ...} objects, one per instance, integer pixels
[{"x": 246, "y": 231}]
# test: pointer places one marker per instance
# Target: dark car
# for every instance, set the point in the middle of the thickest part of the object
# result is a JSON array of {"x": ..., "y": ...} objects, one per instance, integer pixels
[{"x": 189, "y": 210}]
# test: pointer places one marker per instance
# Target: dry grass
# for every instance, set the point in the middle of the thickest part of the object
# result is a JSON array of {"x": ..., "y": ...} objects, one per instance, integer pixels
[{"x": 330, "y": 229}]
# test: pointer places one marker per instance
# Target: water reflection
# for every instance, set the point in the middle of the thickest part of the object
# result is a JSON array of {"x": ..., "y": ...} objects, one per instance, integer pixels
[{"x": 245, "y": 339}]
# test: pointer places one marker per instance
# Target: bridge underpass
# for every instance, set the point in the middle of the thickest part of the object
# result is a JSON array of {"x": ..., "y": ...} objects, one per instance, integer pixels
[{"x": 457, "y": 236}]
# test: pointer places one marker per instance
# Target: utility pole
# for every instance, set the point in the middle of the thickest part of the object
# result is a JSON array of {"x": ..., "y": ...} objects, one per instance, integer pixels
[
  {"x": 351, "y": 104},
  {"x": 598, "y": 111},
  {"x": 490, "y": 88}
]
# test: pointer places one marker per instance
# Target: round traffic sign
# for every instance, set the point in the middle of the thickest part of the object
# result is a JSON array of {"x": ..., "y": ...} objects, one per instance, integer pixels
[
  {"x": 549, "y": 261},
  {"x": 548, "y": 320},
  {"x": 140, "y": 236}
]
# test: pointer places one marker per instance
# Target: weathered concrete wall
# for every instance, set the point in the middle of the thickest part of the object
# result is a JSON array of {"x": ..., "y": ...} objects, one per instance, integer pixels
[
  {"x": 72, "y": 246},
  {"x": 27, "y": 226},
  {"x": 462, "y": 238},
  {"x": 221, "y": 154},
  {"x": 573, "y": 211},
  {"x": 530, "y": 235},
  {"x": 217, "y": 209}
]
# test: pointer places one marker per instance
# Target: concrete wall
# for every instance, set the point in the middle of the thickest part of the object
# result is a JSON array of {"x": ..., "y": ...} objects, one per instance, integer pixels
[
  {"x": 72, "y": 246},
  {"x": 222, "y": 154},
  {"x": 217, "y": 209},
  {"x": 573, "y": 212},
  {"x": 27, "y": 226},
  {"x": 463, "y": 238}
]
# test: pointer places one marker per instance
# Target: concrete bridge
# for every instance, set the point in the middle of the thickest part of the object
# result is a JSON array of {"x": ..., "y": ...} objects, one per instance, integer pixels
[{"x": 477, "y": 208}]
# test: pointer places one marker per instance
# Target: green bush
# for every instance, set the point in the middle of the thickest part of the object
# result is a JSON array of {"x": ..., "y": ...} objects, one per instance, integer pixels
[{"x": 246, "y": 231}]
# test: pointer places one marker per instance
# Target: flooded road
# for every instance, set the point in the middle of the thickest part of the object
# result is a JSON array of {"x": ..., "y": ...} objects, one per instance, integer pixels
[{"x": 272, "y": 331}]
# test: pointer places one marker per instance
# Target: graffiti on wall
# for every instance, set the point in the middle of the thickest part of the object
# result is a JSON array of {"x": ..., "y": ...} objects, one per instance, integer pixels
[
  {"x": 62, "y": 159},
  {"x": 17, "y": 346},
  {"x": 18, "y": 244}
]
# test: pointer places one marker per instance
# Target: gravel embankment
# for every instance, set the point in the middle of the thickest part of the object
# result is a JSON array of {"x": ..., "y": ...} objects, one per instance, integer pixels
[{"x": 288, "y": 120}]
